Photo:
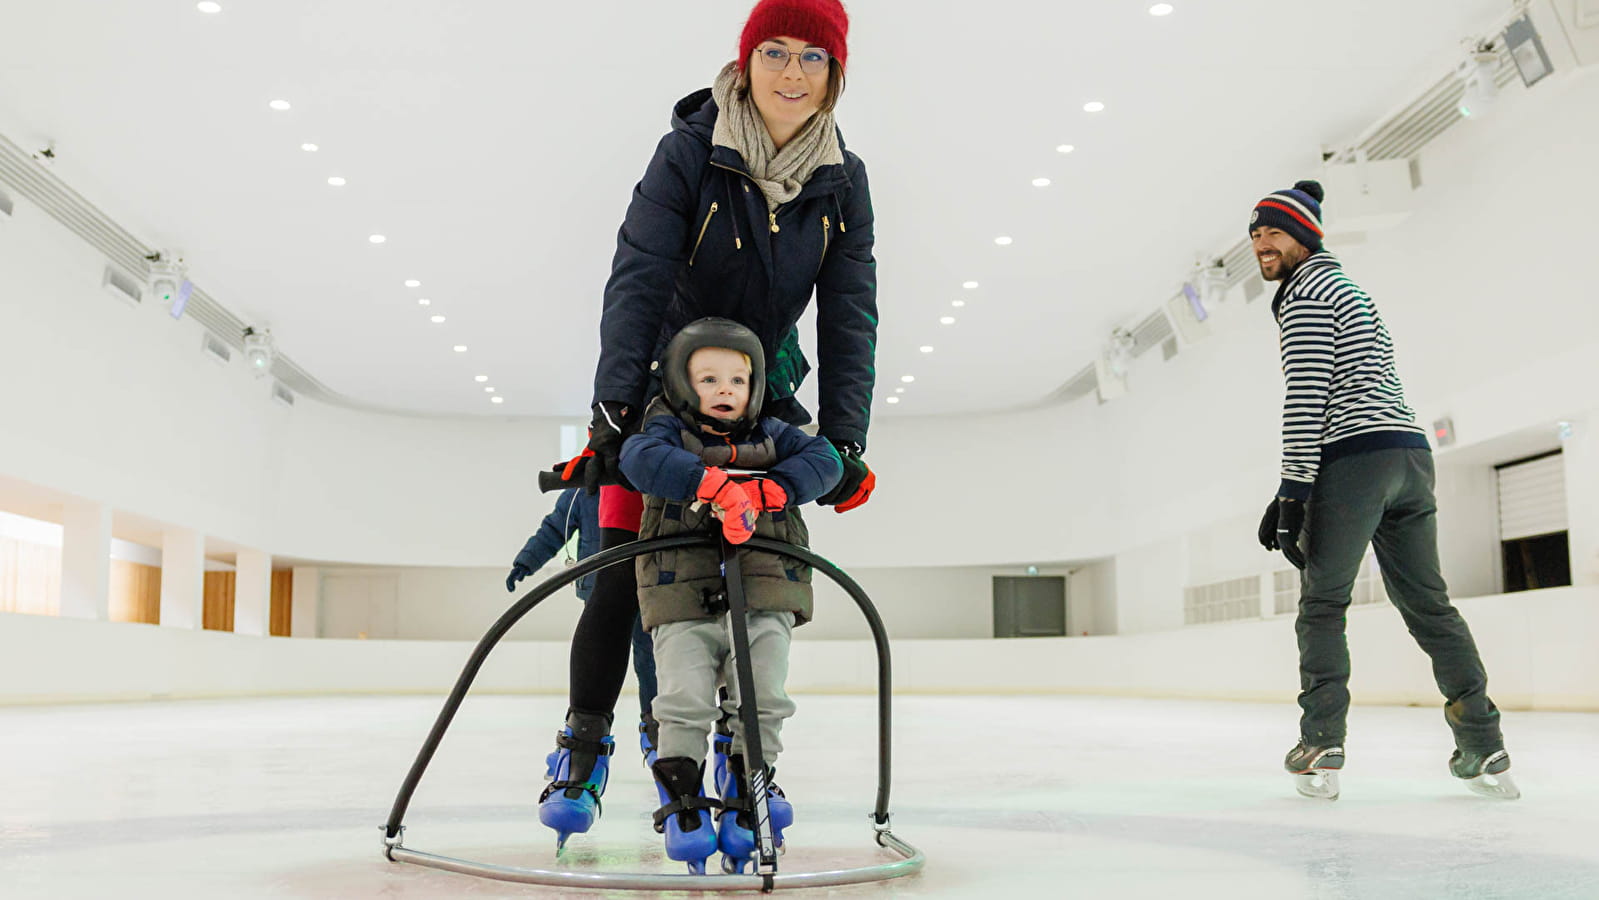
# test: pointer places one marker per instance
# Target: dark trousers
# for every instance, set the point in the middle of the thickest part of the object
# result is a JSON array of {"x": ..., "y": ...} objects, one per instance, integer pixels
[
  {"x": 1383, "y": 498},
  {"x": 607, "y": 629}
]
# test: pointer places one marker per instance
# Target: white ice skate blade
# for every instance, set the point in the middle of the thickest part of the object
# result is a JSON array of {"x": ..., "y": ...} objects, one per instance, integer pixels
[
  {"x": 1499, "y": 787},
  {"x": 1318, "y": 784}
]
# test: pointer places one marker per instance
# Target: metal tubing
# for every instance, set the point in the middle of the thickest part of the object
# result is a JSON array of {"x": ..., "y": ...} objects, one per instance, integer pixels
[{"x": 912, "y": 859}]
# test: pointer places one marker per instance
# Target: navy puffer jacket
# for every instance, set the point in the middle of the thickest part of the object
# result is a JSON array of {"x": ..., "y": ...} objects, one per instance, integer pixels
[{"x": 698, "y": 241}]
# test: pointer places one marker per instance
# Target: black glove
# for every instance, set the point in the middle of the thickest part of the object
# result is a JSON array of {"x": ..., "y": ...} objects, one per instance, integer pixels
[
  {"x": 857, "y": 483},
  {"x": 518, "y": 572},
  {"x": 612, "y": 423},
  {"x": 1290, "y": 520},
  {"x": 1267, "y": 533}
]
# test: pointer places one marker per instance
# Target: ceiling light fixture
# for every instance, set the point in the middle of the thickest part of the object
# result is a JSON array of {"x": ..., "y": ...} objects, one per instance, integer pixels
[
  {"x": 336, "y": 181},
  {"x": 1040, "y": 182},
  {"x": 489, "y": 389},
  {"x": 1161, "y": 9},
  {"x": 899, "y": 390},
  {"x": 947, "y": 320},
  {"x": 279, "y": 105},
  {"x": 258, "y": 350},
  {"x": 496, "y": 399},
  {"x": 907, "y": 378},
  {"x": 412, "y": 282},
  {"x": 208, "y": 6},
  {"x": 1093, "y": 106},
  {"x": 309, "y": 147},
  {"x": 893, "y": 399},
  {"x": 377, "y": 238},
  {"x": 480, "y": 378},
  {"x": 460, "y": 348},
  {"x": 1064, "y": 148},
  {"x": 436, "y": 320},
  {"x": 925, "y": 349},
  {"x": 1477, "y": 73},
  {"x": 423, "y": 301},
  {"x": 169, "y": 281},
  {"x": 969, "y": 285},
  {"x": 1003, "y": 240},
  {"x": 957, "y": 303}
]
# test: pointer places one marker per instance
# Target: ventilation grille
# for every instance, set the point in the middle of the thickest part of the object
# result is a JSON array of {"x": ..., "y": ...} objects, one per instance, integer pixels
[
  {"x": 7, "y": 206},
  {"x": 1076, "y": 387},
  {"x": 121, "y": 285},
  {"x": 216, "y": 348},
  {"x": 1222, "y": 601},
  {"x": 282, "y": 394}
]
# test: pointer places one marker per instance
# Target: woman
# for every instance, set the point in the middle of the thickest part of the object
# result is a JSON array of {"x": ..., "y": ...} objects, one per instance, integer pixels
[{"x": 750, "y": 205}]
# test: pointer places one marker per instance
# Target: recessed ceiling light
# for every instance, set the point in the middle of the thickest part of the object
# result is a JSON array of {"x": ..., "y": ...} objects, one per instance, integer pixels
[
  {"x": 1003, "y": 240},
  {"x": 497, "y": 399},
  {"x": 926, "y": 349},
  {"x": 1093, "y": 106},
  {"x": 412, "y": 282},
  {"x": 208, "y": 6},
  {"x": 957, "y": 303},
  {"x": 279, "y": 105},
  {"x": 460, "y": 348},
  {"x": 899, "y": 390},
  {"x": 947, "y": 320},
  {"x": 436, "y": 320},
  {"x": 1160, "y": 9},
  {"x": 480, "y": 378},
  {"x": 893, "y": 399},
  {"x": 1064, "y": 148},
  {"x": 489, "y": 390},
  {"x": 309, "y": 147},
  {"x": 1040, "y": 182},
  {"x": 377, "y": 238},
  {"x": 336, "y": 181},
  {"x": 907, "y": 378},
  {"x": 423, "y": 301},
  {"x": 969, "y": 285}
]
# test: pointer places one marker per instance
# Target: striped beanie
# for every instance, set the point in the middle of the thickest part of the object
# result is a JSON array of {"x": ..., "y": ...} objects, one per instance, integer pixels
[{"x": 1296, "y": 211}]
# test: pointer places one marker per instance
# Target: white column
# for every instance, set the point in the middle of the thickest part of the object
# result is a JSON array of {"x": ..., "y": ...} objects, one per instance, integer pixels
[
  {"x": 182, "y": 579},
  {"x": 252, "y": 593},
  {"x": 86, "y": 561},
  {"x": 307, "y": 609},
  {"x": 1581, "y": 455}
]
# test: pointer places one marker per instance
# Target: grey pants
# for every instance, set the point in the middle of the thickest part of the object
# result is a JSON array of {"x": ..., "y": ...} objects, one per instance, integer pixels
[
  {"x": 692, "y": 658},
  {"x": 1384, "y": 498}
]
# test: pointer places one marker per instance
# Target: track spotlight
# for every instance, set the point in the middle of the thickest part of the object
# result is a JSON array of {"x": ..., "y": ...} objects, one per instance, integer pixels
[
  {"x": 169, "y": 281},
  {"x": 1477, "y": 73},
  {"x": 1119, "y": 352},
  {"x": 258, "y": 351}
]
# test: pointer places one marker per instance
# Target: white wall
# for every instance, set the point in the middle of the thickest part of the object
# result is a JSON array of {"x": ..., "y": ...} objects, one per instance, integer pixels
[{"x": 1538, "y": 648}]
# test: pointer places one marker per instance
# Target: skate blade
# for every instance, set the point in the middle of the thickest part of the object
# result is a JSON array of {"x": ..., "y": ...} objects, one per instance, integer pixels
[
  {"x": 696, "y": 867},
  {"x": 1317, "y": 784},
  {"x": 1499, "y": 787}
]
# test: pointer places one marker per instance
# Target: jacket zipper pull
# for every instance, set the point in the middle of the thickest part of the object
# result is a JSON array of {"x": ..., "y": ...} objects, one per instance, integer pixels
[{"x": 773, "y": 217}]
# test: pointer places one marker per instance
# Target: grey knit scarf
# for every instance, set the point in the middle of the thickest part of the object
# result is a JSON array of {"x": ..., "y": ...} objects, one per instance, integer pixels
[{"x": 779, "y": 174}]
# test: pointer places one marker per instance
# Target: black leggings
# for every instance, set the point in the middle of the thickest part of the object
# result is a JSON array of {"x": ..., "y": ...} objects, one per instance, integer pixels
[{"x": 604, "y": 634}]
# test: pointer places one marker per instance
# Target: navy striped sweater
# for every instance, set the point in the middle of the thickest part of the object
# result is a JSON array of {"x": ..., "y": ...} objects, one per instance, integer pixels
[{"x": 1344, "y": 394}]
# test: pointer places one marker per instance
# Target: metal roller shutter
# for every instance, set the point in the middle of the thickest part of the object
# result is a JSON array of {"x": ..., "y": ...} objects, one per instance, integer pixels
[{"x": 1532, "y": 497}]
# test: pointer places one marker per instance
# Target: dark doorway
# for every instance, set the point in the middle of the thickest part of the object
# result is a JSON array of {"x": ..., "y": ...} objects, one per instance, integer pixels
[
  {"x": 1541, "y": 561},
  {"x": 1034, "y": 606}
]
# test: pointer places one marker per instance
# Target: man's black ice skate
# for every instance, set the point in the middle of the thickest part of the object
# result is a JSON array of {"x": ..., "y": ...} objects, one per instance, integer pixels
[
  {"x": 1315, "y": 769},
  {"x": 1487, "y": 773}
]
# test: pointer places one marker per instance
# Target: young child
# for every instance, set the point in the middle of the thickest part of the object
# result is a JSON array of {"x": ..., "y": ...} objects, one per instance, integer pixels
[{"x": 708, "y": 418}]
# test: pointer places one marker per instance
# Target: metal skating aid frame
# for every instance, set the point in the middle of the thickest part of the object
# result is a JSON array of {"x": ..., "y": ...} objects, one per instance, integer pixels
[{"x": 910, "y": 859}]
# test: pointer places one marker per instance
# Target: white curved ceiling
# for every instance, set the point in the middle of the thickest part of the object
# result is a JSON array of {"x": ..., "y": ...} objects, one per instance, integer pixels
[{"x": 496, "y": 143}]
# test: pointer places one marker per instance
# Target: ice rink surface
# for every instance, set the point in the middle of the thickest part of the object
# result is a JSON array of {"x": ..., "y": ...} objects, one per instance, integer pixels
[{"x": 1008, "y": 797}]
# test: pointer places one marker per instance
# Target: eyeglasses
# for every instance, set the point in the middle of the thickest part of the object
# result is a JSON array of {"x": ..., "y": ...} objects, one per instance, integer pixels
[{"x": 812, "y": 60}]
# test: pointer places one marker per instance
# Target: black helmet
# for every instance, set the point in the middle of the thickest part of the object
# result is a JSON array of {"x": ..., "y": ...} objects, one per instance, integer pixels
[{"x": 712, "y": 332}]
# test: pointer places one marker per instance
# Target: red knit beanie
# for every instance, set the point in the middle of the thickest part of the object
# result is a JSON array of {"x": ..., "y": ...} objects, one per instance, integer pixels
[{"x": 821, "y": 23}]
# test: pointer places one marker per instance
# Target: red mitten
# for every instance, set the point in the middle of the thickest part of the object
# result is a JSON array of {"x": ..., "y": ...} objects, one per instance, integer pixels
[
  {"x": 766, "y": 495},
  {"x": 737, "y": 512}
]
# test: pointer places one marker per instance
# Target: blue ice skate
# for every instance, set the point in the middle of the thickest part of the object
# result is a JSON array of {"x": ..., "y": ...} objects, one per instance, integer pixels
[
  {"x": 571, "y": 802},
  {"x": 685, "y": 813},
  {"x": 550, "y": 759},
  {"x": 737, "y": 819}
]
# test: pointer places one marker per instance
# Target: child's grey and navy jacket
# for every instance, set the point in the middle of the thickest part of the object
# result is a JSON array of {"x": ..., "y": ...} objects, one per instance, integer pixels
[
  {"x": 666, "y": 461},
  {"x": 576, "y": 511},
  {"x": 1344, "y": 395},
  {"x": 699, "y": 241}
]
